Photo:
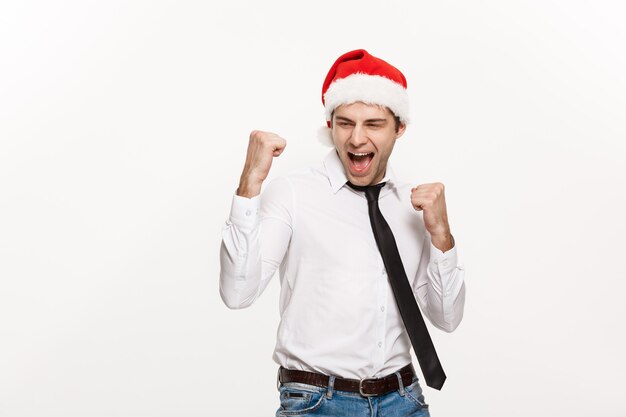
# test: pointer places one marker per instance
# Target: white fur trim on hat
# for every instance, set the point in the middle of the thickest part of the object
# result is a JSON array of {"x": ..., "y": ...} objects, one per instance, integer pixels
[
  {"x": 370, "y": 89},
  {"x": 325, "y": 136}
]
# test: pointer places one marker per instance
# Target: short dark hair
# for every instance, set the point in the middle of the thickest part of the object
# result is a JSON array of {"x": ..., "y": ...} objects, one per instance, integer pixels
[{"x": 397, "y": 120}]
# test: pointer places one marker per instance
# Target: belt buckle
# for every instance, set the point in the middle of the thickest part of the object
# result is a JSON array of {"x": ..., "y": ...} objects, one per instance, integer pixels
[{"x": 361, "y": 389}]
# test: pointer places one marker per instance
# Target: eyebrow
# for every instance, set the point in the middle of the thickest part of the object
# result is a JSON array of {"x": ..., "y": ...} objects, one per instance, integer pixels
[{"x": 345, "y": 119}]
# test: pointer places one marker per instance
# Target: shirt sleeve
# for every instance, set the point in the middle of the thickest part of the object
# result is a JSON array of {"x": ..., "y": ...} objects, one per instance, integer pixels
[
  {"x": 254, "y": 241},
  {"x": 441, "y": 286}
]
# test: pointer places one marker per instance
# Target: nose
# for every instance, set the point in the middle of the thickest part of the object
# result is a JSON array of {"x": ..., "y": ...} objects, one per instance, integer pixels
[{"x": 358, "y": 137}]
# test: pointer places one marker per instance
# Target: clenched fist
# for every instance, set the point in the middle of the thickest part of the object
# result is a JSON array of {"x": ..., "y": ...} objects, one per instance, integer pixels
[
  {"x": 430, "y": 199},
  {"x": 262, "y": 148}
]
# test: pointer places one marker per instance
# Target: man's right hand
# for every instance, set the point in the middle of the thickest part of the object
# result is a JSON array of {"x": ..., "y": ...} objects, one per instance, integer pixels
[{"x": 262, "y": 148}]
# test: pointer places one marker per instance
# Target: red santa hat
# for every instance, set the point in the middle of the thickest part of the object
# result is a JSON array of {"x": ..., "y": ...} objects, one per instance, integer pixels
[{"x": 359, "y": 76}]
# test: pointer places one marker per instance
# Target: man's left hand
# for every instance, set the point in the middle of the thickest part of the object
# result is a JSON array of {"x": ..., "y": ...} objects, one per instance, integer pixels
[{"x": 430, "y": 198}]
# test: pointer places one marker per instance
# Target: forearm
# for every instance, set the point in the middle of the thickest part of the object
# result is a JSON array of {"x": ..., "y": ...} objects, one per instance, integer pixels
[
  {"x": 249, "y": 187},
  {"x": 443, "y": 242}
]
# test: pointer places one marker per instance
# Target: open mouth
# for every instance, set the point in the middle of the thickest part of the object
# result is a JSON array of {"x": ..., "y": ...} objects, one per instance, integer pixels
[{"x": 360, "y": 160}]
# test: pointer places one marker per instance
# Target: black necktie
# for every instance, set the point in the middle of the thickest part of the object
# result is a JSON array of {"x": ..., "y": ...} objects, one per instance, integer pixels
[{"x": 409, "y": 311}]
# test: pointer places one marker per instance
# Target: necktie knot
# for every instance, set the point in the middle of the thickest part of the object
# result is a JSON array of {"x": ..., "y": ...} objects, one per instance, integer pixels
[{"x": 372, "y": 192}]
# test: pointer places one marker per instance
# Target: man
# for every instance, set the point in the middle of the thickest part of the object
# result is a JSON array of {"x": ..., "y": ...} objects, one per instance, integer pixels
[{"x": 355, "y": 248}]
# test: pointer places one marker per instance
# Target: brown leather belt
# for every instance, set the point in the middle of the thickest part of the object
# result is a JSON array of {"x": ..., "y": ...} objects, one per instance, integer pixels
[{"x": 366, "y": 387}]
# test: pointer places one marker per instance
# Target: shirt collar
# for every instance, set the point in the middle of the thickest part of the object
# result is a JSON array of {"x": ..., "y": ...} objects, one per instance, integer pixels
[{"x": 337, "y": 175}]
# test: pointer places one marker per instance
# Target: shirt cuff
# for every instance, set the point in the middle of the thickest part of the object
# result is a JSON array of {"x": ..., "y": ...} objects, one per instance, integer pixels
[
  {"x": 444, "y": 261},
  {"x": 244, "y": 212}
]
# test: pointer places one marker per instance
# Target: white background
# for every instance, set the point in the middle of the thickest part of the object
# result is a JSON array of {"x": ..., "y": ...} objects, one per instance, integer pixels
[{"x": 123, "y": 130}]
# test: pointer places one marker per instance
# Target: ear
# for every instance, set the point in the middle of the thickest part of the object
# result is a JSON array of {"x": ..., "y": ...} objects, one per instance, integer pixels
[{"x": 401, "y": 130}]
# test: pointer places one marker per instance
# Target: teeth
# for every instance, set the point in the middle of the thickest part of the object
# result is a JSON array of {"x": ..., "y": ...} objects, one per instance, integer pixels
[{"x": 360, "y": 154}]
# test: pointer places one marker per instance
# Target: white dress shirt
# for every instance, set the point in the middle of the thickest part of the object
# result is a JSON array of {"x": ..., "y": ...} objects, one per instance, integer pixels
[{"x": 338, "y": 312}]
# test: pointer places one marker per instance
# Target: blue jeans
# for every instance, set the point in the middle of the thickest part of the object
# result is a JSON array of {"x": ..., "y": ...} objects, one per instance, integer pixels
[{"x": 298, "y": 399}]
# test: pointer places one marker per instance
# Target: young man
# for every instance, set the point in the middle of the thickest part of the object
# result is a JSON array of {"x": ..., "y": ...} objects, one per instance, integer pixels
[{"x": 355, "y": 249}]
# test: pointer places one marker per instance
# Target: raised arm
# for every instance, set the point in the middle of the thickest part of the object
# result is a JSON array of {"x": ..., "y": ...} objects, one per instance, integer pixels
[
  {"x": 257, "y": 233},
  {"x": 440, "y": 282}
]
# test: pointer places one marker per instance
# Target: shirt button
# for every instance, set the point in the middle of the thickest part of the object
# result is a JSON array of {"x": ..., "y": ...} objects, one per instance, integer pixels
[
  {"x": 380, "y": 344},
  {"x": 460, "y": 267},
  {"x": 436, "y": 261},
  {"x": 248, "y": 212},
  {"x": 382, "y": 308},
  {"x": 444, "y": 263}
]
